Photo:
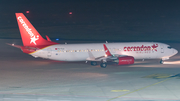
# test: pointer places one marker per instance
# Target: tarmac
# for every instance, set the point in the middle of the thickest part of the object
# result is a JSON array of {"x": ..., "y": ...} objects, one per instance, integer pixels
[{"x": 25, "y": 78}]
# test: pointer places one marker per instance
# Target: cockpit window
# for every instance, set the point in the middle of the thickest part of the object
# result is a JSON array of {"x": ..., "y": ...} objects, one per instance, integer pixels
[{"x": 169, "y": 47}]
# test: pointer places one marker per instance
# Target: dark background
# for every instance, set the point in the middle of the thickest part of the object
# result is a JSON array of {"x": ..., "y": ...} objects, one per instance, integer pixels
[{"x": 111, "y": 20}]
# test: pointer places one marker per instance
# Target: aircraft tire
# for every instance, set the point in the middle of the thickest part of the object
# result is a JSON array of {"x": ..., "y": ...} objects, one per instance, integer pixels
[
  {"x": 93, "y": 63},
  {"x": 103, "y": 65}
]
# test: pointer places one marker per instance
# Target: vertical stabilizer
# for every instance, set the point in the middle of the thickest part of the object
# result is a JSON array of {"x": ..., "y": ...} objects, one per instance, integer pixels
[{"x": 29, "y": 35}]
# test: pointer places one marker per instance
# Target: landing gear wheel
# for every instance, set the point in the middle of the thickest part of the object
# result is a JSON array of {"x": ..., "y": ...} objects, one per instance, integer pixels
[
  {"x": 93, "y": 63},
  {"x": 103, "y": 65},
  {"x": 161, "y": 62}
]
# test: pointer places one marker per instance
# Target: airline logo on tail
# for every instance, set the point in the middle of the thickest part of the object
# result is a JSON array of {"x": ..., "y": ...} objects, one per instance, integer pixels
[{"x": 33, "y": 37}]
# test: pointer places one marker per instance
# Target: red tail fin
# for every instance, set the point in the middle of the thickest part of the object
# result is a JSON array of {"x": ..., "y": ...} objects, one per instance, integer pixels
[{"x": 29, "y": 34}]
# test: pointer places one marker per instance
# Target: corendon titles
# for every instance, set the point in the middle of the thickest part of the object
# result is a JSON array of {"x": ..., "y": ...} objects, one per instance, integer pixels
[
  {"x": 25, "y": 26},
  {"x": 33, "y": 38},
  {"x": 141, "y": 48}
]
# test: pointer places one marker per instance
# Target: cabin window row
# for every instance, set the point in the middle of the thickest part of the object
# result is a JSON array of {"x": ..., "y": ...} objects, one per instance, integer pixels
[{"x": 91, "y": 50}]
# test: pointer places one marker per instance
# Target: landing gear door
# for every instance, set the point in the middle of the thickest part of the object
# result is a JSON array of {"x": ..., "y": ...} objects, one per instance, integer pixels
[{"x": 49, "y": 52}]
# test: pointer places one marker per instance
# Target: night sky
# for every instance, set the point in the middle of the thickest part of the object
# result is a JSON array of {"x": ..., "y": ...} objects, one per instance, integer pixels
[{"x": 112, "y": 20}]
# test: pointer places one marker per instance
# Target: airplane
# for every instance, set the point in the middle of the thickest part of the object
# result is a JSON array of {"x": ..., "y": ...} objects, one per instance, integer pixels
[{"x": 122, "y": 53}]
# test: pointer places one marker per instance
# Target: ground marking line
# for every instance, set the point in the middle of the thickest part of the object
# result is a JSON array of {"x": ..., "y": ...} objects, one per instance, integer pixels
[{"x": 139, "y": 89}]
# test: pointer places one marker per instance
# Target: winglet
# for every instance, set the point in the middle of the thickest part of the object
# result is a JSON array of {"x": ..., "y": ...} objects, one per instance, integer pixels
[{"x": 107, "y": 50}]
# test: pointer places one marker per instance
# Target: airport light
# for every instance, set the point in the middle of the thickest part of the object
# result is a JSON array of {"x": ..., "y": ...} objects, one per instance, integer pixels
[
  {"x": 27, "y": 12},
  {"x": 70, "y": 13}
]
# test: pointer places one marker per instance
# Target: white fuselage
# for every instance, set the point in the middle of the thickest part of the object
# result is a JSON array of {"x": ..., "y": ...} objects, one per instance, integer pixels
[{"x": 82, "y": 52}]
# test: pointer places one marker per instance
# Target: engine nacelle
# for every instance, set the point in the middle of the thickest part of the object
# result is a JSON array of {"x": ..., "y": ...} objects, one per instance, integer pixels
[{"x": 126, "y": 60}]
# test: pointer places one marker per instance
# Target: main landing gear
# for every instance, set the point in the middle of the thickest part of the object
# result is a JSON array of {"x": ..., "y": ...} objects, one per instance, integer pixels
[
  {"x": 93, "y": 63},
  {"x": 102, "y": 64}
]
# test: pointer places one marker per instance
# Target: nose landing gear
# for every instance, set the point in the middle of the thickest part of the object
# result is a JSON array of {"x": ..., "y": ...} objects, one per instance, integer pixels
[{"x": 161, "y": 62}]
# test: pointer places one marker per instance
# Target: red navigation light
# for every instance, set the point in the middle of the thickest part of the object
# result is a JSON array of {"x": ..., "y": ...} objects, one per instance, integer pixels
[
  {"x": 27, "y": 11},
  {"x": 70, "y": 13}
]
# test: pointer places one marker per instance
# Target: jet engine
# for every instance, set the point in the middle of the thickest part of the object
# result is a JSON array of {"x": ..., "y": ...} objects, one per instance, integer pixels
[{"x": 126, "y": 60}]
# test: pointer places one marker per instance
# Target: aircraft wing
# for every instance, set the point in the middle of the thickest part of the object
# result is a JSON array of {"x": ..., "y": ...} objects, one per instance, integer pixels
[{"x": 107, "y": 57}]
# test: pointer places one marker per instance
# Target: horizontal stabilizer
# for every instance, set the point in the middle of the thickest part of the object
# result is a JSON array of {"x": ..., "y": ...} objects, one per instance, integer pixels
[{"x": 17, "y": 46}]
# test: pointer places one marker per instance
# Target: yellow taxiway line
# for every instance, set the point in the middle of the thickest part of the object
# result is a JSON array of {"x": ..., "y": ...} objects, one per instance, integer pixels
[{"x": 139, "y": 89}]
